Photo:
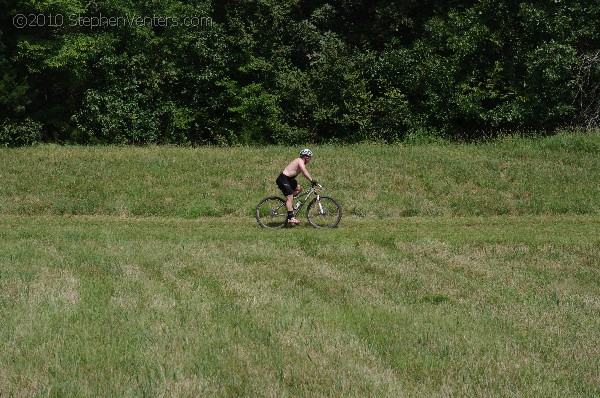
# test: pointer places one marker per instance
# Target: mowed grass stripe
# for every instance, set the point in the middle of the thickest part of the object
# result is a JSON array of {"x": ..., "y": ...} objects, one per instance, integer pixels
[
  {"x": 515, "y": 176},
  {"x": 482, "y": 306}
]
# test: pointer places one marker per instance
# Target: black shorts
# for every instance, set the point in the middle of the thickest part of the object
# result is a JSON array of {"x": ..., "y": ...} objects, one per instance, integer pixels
[{"x": 286, "y": 184}]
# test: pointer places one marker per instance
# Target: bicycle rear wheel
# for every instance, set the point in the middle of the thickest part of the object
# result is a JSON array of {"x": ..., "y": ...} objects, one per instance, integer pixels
[
  {"x": 271, "y": 212},
  {"x": 324, "y": 212}
]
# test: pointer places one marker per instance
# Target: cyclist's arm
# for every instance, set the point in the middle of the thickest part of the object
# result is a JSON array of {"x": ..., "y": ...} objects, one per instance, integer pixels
[{"x": 305, "y": 171}]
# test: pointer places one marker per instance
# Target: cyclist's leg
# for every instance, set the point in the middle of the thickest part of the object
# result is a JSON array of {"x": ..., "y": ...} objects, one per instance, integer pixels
[
  {"x": 291, "y": 219},
  {"x": 289, "y": 203},
  {"x": 297, "y": 190},
  {"x": 288, "y": 186}
]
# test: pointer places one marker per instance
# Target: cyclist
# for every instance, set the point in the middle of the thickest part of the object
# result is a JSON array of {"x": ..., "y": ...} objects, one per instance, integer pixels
[{"x": 288, "y": 184}]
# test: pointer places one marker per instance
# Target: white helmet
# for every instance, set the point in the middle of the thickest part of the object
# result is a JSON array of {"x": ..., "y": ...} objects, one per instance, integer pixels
[{"x": 306, "y": 152}]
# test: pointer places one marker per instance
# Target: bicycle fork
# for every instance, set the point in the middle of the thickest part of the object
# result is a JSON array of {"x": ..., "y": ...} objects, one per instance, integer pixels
[{"x": 320, "y": 205}]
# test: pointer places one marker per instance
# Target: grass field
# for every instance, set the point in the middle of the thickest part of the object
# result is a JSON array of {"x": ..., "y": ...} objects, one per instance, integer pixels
[{"x": 457, "y": 270}]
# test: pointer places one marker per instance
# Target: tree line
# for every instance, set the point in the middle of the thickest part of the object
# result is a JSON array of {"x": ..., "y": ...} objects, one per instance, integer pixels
[{"x": 242, "y": 72}]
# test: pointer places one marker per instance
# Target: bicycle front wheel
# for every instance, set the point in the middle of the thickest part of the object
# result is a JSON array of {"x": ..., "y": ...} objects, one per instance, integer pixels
[
  {"x": 324, "y": 212},
  {"x": 271, "y": 212}
]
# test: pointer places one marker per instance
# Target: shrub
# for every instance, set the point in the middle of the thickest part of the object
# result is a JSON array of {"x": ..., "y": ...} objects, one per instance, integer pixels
[{"x": 23, "y": 133}]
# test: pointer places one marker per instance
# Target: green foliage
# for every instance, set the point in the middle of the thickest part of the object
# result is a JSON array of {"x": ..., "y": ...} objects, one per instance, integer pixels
[
  {"x": 26, "y": 132},
  {"x": 255, "y": 111},
  {"x": 278, "y": 71},
  {"x": 552, "y": 83}
]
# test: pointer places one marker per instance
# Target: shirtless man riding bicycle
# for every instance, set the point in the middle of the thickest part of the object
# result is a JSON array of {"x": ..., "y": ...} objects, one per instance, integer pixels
[{"x": 288, "y": 184}]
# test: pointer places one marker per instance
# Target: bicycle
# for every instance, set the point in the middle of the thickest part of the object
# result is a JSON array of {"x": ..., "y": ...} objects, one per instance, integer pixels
[{"x": 322, "y": 211}]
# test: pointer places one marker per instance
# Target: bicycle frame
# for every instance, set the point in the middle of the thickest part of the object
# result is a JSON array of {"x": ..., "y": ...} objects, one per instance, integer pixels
[{"x": 301, "y": 202}]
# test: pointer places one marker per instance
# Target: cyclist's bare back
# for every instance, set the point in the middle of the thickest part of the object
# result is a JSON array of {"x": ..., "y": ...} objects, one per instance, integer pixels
[{"x": 296, "y": 167}]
